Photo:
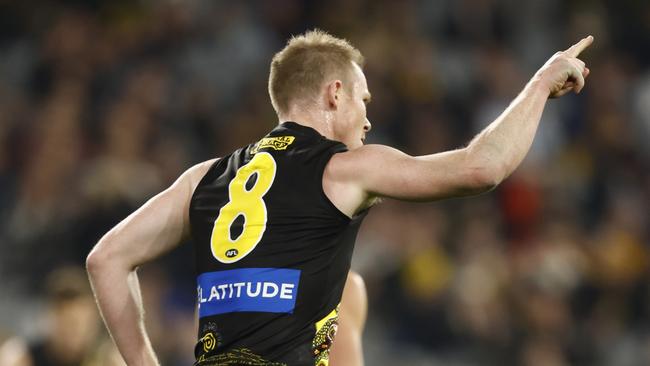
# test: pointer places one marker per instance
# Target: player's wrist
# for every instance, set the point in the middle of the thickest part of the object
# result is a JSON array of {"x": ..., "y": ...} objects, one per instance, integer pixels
[{"x": 540, "y": 84}]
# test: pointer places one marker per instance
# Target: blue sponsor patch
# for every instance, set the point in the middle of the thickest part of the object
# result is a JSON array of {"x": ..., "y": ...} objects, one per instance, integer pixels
[{"x": 271, "y": 290}]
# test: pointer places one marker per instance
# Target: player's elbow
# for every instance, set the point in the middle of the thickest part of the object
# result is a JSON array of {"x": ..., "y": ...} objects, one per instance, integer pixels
[
  {"x": 484, "y": 179},
  {"x": 95, "y": 261},
  {"x": 483, "y": 172},
  {"x": 101, "y": 260}
]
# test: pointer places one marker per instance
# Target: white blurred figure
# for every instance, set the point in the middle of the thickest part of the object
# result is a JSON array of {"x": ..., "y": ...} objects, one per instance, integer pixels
[{"x": 13, "y": 352}]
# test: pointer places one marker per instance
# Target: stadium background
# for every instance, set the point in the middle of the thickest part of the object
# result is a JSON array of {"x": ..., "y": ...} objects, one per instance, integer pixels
[{"x": 104, "y": 103}]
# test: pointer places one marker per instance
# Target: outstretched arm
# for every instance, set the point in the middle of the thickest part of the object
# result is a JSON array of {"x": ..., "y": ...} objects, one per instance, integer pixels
[
  {"x": 155, "y": 228},
  {"x": 504, "y": 143},
  {"x": 353, "y": 178}
]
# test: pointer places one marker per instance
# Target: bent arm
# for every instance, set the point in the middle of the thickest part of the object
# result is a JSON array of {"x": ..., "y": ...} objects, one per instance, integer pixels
[{"x": 155, "y": 228}]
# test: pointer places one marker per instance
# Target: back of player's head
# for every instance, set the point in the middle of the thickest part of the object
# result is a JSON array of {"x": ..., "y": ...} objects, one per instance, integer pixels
[
  {"x": 73, "y": 320},
  {"x": 66, "y": 284},
  {"x": 305, "y": 63}
]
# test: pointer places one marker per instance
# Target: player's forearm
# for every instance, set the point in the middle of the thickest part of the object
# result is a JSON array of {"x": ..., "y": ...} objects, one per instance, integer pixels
[
  {"x": 502, "y": 145},
  {"x": 119, "y": 299}
]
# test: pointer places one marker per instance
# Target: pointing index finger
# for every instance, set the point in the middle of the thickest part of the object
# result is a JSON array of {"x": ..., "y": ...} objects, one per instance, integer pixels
[{"x": 577, "y": 48}]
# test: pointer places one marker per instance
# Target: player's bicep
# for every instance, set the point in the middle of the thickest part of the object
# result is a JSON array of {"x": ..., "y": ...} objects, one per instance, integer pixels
[
  {"x": 156, "y": 227},
  {"x": 153, "y": 229},
  {"x": 386, "y": 172}
]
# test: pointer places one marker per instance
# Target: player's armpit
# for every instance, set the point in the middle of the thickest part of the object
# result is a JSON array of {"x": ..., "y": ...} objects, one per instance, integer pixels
[
  {"x": 382, "y": 171},
  {"x": 155, "y": 228}
]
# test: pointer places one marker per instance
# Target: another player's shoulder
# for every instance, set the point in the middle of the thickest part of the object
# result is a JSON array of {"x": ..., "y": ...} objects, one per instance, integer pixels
[
  {"x": 355, "y": 283},
  {"x": 355, "y": 299}
]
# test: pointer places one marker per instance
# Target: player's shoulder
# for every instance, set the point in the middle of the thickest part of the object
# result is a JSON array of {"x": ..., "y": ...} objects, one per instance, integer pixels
[
  {"x": 367, "y": 150},
  {"x": 364, "y": 155},
  {"x": 356, "y": 281},
  {"x": 356, "y": 286},
  {"x": 354, "y": 165},
  {"x": 192, "y": 176},
  {"x": 355, "y": 299},
  {"x": 201, "y": 168}
]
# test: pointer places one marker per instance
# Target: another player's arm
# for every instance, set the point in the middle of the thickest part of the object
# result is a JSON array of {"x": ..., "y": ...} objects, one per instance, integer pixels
[
  {"x": 377, "y": 170},
  {"x": 155, "y": 228},
  {"x": 347, "y": 349}
]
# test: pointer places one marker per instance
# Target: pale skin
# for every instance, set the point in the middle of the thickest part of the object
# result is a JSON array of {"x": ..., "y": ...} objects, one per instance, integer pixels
[
  {"x": 347, "y": 350},
  {"x": 14, "y": 352},
  {"x": 351, "y": 181}
]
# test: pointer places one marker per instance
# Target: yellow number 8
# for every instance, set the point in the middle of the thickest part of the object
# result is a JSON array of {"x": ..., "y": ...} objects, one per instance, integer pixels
[{"x": 249, "y": 204}]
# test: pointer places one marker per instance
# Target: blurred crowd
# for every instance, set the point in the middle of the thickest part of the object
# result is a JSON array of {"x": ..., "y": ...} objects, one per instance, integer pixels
[{"x": 104, "y": 103}]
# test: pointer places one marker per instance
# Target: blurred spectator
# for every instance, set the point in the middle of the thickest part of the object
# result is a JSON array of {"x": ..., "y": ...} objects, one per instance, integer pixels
[
  {"x": 13, "y": 352},
  {"x": 72, "y": 323}
]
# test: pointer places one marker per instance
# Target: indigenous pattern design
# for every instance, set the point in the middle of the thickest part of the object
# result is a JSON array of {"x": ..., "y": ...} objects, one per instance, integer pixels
[
  {"x": 325, "y": 332},
  {"x": 236, "y": 357}
]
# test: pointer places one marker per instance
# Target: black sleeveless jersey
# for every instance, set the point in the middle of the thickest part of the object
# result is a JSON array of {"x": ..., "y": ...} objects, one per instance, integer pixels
[{"x": 272, "y": 252}]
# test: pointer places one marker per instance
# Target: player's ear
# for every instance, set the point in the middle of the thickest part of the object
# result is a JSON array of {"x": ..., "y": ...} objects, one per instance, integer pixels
[{"x": 334, "y": 91}]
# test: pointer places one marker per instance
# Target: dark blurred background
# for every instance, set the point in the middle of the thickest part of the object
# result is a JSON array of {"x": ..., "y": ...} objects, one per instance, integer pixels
[{"x": 104, "y": 103}]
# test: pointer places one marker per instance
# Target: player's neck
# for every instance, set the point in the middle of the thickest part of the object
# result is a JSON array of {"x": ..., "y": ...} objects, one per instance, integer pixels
[{"x": 319, "y": 121}]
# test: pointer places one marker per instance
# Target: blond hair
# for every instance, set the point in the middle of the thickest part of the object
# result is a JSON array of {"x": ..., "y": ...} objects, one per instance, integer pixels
[{"x": 299, "y": 70}]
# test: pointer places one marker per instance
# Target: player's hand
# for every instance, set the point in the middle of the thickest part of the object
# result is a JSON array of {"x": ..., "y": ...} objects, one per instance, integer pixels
[{"x": 564, "y": 71}]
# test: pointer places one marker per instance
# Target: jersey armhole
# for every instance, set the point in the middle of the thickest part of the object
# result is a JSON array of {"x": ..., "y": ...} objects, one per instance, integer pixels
[
  {"x": 201, "y": 181},
  {"x": 330, "y": 153}
]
